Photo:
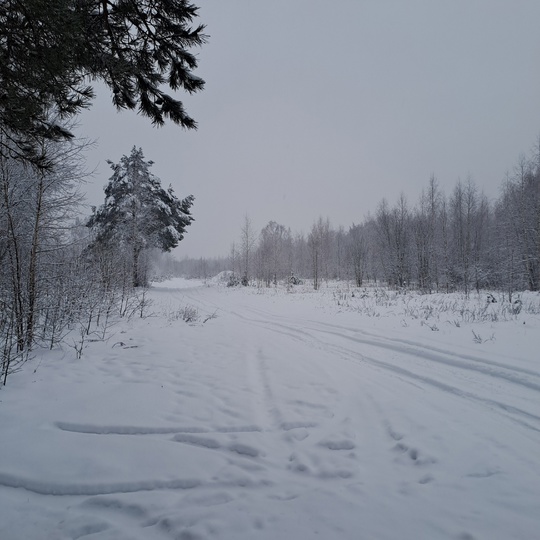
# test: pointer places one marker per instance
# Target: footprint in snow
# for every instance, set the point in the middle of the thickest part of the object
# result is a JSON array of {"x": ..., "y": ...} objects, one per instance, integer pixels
[
  {"x": 287, "y": 426},
  {"x": 297, "y": 465},
  {"x": 426, "y": 479},
  {"x": 394, "y": 434},
  {"x": 195, "y": 440},
  {"x": 298, "y": 434},
  {"x": 413, "y": 454},
  {"x": 244, "y": 449},
  {"x": 338, "y": 445}
]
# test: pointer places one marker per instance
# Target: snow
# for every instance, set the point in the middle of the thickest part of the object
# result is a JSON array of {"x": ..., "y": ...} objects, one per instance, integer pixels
[{"x": 289, "y": 414}]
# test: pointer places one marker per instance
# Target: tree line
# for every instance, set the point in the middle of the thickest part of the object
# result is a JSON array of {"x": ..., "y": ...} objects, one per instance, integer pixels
[{"x": 443, "y": 242}]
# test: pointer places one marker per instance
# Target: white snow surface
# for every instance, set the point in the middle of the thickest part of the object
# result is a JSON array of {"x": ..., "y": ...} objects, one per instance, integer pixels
[{"x": 287, "y": 415}]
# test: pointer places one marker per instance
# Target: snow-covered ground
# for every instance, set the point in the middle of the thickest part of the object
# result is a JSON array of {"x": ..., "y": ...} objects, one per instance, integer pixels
[{"x": 286, "y": 415}]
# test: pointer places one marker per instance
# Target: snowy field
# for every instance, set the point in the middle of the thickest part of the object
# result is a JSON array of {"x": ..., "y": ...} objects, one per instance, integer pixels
[{"x": 337, "y": 414}]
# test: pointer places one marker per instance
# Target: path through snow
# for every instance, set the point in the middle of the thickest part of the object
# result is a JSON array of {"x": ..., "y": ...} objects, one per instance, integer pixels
[{"x": 279, "y": 418}]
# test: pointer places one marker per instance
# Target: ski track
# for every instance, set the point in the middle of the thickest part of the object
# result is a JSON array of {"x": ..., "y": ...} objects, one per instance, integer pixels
[
  {"x": 310, "y": 332},
  {"x": 286, "y": 447},
  {"x": 412, "y": 348}
]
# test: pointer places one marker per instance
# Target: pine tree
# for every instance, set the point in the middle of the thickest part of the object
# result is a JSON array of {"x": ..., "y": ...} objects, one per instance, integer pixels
[
  {"x": 138, "y": 214},
  {"x": 51, "y": 49}
]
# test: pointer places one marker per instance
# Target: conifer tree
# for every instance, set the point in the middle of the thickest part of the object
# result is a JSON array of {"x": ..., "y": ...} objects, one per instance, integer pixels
[
  {"x": 51, "y": 49},
  {"x": 138, "y": 214}
]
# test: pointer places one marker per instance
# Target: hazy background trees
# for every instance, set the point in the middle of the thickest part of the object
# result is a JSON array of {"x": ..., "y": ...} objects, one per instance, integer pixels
[
  {"x": 248, "y": 239},
  {"x": 443, "y": 242},
  {"x": 274, "y": 253},
  {"x": 357, "y": 253},
  {"x": 519, "y": 213}
]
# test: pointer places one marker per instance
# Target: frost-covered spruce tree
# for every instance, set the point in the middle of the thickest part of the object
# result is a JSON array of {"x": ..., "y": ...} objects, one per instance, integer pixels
[{"x": 138, "y": 214}]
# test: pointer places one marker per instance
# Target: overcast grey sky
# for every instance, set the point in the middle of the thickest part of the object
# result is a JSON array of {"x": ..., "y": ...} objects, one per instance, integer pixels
[{"x": 323, "y": 108}]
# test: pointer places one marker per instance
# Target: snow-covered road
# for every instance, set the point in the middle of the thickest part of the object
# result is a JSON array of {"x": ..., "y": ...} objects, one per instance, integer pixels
[{"x": 279, "y": 418}]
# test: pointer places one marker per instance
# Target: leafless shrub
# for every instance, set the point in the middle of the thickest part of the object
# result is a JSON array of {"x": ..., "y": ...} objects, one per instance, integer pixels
[
  {"x": 210, "y": 317},
  {"x": 477, "y": 338}
]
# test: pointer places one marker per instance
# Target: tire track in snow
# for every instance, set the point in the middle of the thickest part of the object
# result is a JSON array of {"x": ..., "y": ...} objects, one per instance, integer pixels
[
  {"x": 426, "y": 351},
  {"x": 416, "y": 350},
  {"x": 308, "y": 335},
  {"x": 264, "y": 381},
  {"x": 106, "y": 488},
  {"x": 510, "y": 410},
  {"x": 440, "y": 355},
  {"x": 94, "y": 429},
  {"x": 349, "y": 348}
]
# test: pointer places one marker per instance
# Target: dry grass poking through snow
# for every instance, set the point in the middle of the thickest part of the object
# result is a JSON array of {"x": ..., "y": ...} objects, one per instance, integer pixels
[{"x": 456, "y": 308}]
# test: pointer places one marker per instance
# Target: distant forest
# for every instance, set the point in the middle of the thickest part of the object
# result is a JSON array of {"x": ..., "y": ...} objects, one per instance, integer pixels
[{"x": 441, "y": 242}]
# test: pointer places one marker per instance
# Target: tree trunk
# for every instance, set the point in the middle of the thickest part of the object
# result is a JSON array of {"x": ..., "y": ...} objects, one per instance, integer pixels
[
  {"x": 135, "y": 269},
  {"x": 15, "y": 264},
  {"x": 32, "y": 271}
]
